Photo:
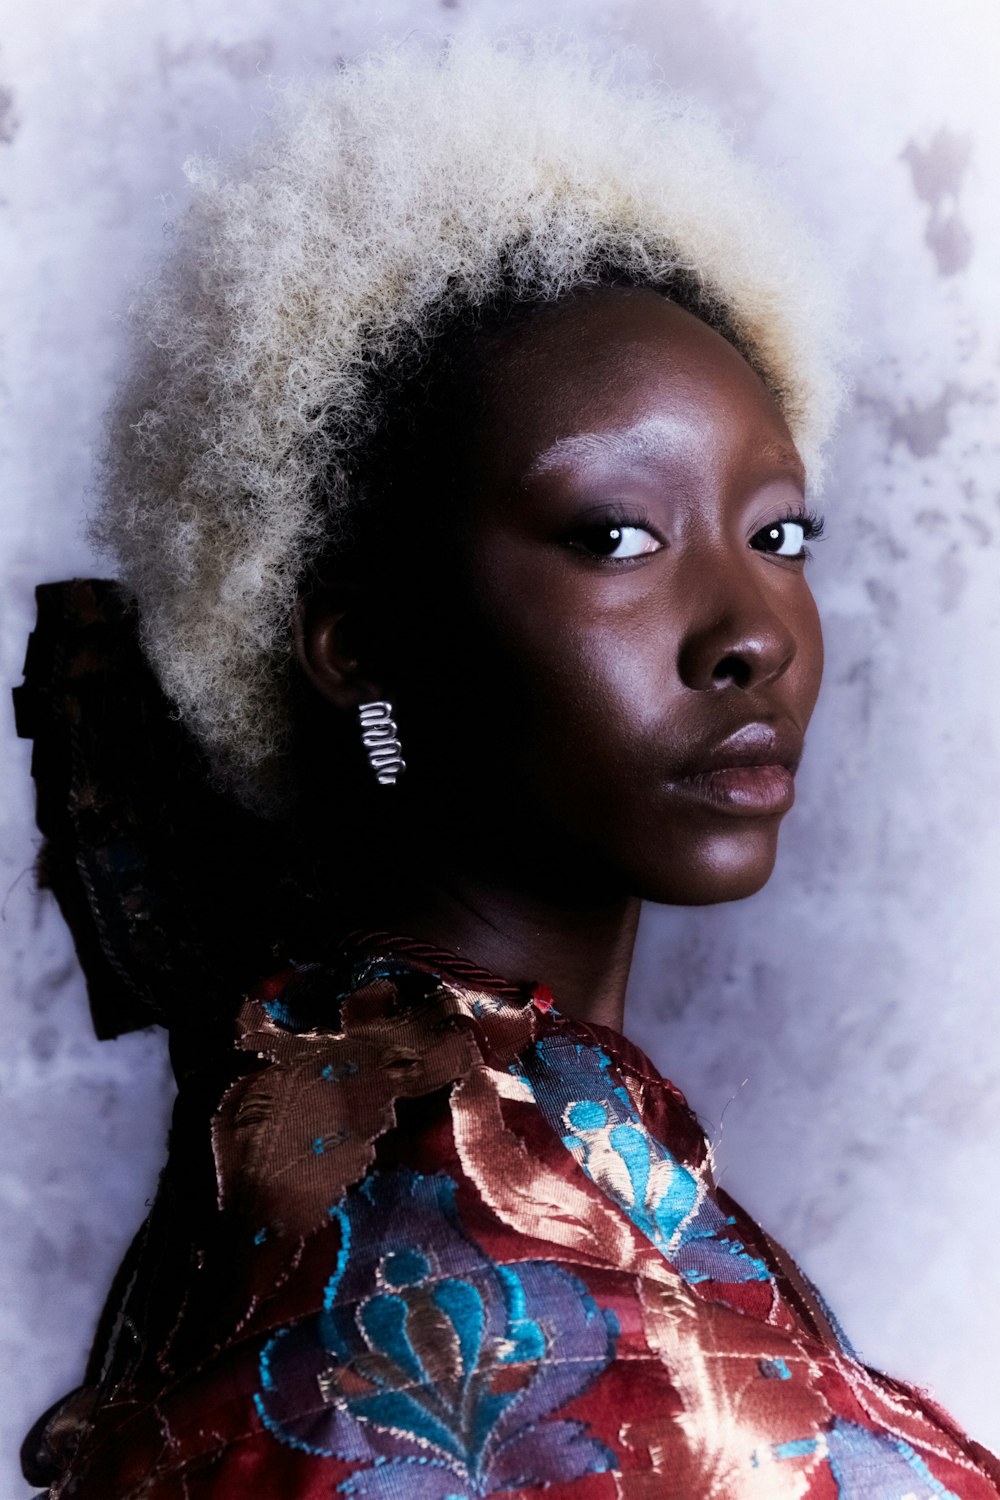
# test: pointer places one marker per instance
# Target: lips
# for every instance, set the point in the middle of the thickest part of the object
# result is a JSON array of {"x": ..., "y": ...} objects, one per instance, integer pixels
[{"x": 751, "y": 773}]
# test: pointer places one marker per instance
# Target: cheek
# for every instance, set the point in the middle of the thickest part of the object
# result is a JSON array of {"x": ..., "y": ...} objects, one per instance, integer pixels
[
  {"x": 549, "y": 697},
  {"x": 588, "y": 691},
  {"x": 807, "y": 669},
  {"x": 613, "y": 684}
]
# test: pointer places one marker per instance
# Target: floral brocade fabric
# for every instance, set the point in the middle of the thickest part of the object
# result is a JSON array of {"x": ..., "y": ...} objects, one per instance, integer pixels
[{"x": 422, "y": 1237}]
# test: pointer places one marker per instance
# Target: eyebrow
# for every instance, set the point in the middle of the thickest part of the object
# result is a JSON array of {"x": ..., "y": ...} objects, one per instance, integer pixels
[
  {"x": 582, "y": 445},
  {"x": 565, "y": 450},
  {"x": 783, "y": 456}
]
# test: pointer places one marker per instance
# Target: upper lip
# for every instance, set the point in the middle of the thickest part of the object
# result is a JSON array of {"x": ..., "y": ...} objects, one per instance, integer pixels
[{"x": 753, "y": 744}]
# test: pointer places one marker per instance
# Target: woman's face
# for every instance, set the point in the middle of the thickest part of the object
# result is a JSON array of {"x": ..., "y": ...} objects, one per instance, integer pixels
[{"x": 608, "y": 653}]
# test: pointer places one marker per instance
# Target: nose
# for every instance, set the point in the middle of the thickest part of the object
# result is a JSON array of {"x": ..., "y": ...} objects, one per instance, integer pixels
[{"x": 735, "y": 638}]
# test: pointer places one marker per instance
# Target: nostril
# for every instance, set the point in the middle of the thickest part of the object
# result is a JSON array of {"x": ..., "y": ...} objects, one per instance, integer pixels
[{"x": 732, "y": 669}]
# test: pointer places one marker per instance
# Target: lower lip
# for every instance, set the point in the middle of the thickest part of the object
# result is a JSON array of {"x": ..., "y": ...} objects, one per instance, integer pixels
[{"x": 746, "y": 791}]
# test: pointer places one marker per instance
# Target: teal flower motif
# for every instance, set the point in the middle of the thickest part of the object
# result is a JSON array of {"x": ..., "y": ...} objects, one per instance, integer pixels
[
  {"x": 433, "y": 1359},
  {"x": 576, "y": 1092}
]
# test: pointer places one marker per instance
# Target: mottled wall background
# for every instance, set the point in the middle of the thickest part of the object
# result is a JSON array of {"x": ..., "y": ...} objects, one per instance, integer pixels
[{"x": 843, "y": 1021}]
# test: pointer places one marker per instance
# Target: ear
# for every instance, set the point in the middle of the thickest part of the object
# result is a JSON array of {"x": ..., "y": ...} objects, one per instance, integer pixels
[{"x": 324, "y": 627}]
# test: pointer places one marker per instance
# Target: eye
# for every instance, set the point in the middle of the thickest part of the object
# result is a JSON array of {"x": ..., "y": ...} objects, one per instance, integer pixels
[
  {"x": 615, "y": 541},
  {"x": 787, "y": 537}
]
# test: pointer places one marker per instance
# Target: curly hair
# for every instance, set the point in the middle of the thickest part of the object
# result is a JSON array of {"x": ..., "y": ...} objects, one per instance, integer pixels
[{"x": 402, "y": 192}]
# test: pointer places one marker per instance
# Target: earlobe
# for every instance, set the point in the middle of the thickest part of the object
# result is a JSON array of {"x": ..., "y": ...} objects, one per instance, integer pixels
[{"x": 321, "y": 625}]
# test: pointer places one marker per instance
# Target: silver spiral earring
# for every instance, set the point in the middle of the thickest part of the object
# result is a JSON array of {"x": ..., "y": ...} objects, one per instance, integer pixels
[{"x": 379, "y": 736}]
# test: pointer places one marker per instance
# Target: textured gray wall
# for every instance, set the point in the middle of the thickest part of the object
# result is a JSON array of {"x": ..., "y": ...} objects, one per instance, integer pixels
[{"x": 843, "y": 1021}]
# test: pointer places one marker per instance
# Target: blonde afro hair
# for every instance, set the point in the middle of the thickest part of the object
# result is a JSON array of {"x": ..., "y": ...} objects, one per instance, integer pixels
[{"x": 398, "y": 191}]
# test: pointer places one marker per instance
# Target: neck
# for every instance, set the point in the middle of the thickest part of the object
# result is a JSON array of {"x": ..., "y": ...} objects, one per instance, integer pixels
[{"x": 581, "y": 949}]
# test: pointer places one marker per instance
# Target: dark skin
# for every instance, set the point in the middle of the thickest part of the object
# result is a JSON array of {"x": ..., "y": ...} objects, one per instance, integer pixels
[{"x": 600, "y": 616}]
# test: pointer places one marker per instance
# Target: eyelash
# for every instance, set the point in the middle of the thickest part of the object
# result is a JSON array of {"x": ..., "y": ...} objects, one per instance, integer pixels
[
  {"x": 618, "y": 517},
  {"x": 614, "y": 517},
  {"x": 812, "y": 529}
]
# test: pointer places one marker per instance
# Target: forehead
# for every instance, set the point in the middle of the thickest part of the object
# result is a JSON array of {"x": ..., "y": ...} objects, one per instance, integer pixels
[{"x": 622, "y": 375}]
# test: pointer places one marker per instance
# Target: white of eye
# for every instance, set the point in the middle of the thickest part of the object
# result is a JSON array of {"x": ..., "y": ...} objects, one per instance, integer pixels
[
  {"x": 791, "y": 536},
  {"x": 631, "y": 541}
]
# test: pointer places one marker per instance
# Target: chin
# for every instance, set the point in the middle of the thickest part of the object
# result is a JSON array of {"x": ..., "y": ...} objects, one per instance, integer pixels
[{"x": 725, "y": 866}]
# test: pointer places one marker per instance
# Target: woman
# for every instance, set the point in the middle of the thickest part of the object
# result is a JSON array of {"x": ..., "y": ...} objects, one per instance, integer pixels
[{"x": 460, "y": 482}]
